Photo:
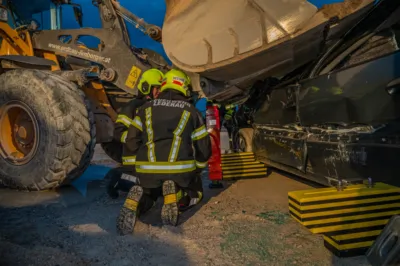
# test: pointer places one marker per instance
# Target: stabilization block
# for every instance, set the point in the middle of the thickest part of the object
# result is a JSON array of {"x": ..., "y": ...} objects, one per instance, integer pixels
[
  {"x": 242, "y": 165},
  {"x": 351, "y": 219}
]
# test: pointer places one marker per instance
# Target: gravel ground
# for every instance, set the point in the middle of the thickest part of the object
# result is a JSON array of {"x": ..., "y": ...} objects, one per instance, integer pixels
[{"x": 246, "y": 223}]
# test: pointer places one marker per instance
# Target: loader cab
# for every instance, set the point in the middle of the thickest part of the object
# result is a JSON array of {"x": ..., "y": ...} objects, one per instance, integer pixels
[
  {"x": 46, "y": 12},
  {"x": 14, "y": 18}
]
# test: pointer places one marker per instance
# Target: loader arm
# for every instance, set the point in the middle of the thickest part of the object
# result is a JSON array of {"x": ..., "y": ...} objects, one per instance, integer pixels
[
  {"x": 117, "y": 58},
  {"x": 13, "y": 39}
]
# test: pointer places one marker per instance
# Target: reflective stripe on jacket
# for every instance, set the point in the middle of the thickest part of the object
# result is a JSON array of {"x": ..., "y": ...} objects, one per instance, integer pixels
[
  {"x": 121, "y": 126},
  {"x": 169, "y": 136}
]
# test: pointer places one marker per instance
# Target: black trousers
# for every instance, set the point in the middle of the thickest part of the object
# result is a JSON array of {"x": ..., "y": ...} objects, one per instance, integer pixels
[
  {"x": 186, "y": 181},
  {"x": 195, "y": 185},
  {"x": 229, "y": 127},
  {"x": 121, "y": 179}
]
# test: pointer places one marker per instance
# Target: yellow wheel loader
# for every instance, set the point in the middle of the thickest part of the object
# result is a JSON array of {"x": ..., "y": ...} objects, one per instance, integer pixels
[{"x": 58, "y": 97}]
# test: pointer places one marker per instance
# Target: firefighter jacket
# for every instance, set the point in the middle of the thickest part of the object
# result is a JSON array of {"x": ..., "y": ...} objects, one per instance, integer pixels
[
  {"x": 170, "y": 138},
  {"x": 229, "y": 111},
  {"x": 122, "y": 124}
]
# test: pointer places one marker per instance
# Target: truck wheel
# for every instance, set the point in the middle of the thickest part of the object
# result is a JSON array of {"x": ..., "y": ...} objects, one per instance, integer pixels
[
  {"x": 113, "y": 150},
  {"x": 47, "y": 130},
  {"x": 246, "y": 140}
]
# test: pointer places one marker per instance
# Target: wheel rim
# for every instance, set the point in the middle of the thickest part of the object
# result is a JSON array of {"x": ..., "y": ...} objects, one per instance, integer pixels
[{"x": 19, "y": 133}]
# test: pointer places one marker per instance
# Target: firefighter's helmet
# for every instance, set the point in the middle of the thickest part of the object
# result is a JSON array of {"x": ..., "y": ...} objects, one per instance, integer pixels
[
  {"x": 176, "y": 80},
  {"x": 150, "y": 78}
]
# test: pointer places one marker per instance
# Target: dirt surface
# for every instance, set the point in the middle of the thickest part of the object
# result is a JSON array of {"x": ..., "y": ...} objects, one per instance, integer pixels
[{"x": 246, "y": 223}]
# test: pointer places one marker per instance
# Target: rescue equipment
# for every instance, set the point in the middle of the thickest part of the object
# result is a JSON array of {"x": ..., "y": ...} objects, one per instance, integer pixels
[
  {"x": 242, "y": 165},
  {"x": 350, "y": 219},
  {"x": 228, "y": 166}
]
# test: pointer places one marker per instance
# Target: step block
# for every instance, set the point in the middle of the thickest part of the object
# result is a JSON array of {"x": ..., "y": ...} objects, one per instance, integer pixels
[
  {"x": 236, "y": 157},
  {"x": 242, "y": 165},
  {"x": 328, "y": 210},
  {"x": 350, "y": 220},
  {"x": 244, "y": 175},
  {"x": 237, "y": 154},
  {"x": 352, "y": 244},
  {"x": 347, "y": 250}
]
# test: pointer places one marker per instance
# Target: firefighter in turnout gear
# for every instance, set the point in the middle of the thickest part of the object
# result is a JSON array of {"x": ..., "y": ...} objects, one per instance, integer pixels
[
  {"x": 173, "y": 146},
  {"x": 123, "y": 178},
  {"x": 229, "y": 113}
]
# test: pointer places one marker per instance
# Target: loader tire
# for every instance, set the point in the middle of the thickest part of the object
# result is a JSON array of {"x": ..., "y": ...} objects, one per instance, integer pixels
[
  {"x": 58, "y": 116},
  {"x": 113, "y": 150},
  {"x": 246, "y": 140}
]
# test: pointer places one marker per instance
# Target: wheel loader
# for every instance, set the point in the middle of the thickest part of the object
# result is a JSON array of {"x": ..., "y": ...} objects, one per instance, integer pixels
[{"x": 59, "y": 96}]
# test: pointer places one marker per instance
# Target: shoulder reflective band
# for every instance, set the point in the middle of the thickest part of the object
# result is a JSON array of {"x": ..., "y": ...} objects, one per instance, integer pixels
[
  {"x": 201, "y": 165},
  {"x": 199, "y": 133},
  {"x": 123, "y": 137},
  {"x": 137, "y": 123},
  {"x": 124, "y": 120},
  {"x": 165, "y": 167},
  {"x": 176, "y": 142},
  {"x": 150, "y": 135},
  {"x": 129, "y": 160}
]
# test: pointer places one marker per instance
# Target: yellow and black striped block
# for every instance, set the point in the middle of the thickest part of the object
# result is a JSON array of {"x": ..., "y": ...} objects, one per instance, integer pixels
[
  {"x": 242, "y": 165},
  {"x": 350, "y": 219},
  {"x": 352, "y": 244}
]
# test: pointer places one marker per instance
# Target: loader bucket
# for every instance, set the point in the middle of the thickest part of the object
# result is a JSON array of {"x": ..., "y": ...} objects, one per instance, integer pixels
[{"x": 224, "y": 40}]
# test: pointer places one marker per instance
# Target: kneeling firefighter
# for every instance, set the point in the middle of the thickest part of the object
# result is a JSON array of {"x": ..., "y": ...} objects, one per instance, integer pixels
[
  {"x": 173, "y": 147},
  {"x": 123, "y": 178}
]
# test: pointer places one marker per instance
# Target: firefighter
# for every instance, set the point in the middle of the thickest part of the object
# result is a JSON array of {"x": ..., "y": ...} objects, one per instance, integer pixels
[
  {"x": 229, "y": 123},
  {"x": 173, "y": 147},
  {"x": 123, "y": 178}
]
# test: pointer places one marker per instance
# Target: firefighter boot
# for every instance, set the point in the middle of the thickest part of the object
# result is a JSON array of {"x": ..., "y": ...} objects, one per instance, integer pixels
[
  {"x": 189, "y": 200},
  {"x": 172, "y": 195},
  {"x": 130, "y": 211},
  {"x": 138, "y": 201}
]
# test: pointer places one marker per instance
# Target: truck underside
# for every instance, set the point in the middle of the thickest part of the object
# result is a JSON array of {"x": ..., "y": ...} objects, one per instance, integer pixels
[
  {"x": 337, "y": 119},
  {"x": 232, "y": 44}
]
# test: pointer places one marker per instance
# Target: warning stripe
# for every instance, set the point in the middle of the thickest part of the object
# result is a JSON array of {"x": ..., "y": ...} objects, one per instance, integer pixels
[
  {"x": 374, "y": 196},
  {"x": 384, "y": 199},
  {"x": 343, "y": 212},
  {"x": 347, "y": 250},
  {"x": 360, "y": 237},
  {"x": 176, "y": 82}
]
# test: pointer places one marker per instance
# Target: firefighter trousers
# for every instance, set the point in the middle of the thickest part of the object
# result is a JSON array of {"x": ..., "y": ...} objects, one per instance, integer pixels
[
  {"x": 120, "y": 179},
  {"x": 192, "y": 191}
]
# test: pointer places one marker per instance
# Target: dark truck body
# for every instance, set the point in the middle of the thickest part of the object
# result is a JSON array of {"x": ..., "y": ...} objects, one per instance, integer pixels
[{"x": 338, "y": 119}]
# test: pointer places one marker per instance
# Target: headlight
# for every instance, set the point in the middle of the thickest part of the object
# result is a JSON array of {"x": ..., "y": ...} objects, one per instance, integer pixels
[{"x": 3, "y": 14}]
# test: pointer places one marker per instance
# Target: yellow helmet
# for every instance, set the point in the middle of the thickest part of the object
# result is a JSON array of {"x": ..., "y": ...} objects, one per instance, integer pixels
[
  {"x": 150, "y": 78},
  {"x": 176, "y": 80}
]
